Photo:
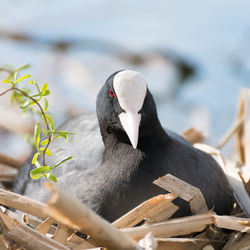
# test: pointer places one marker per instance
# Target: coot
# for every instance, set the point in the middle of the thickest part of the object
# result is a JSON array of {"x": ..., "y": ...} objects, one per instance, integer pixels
[{"x": 116, "y": 175}]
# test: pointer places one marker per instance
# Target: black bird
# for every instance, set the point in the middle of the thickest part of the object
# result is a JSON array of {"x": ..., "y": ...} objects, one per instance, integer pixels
[{"x": 137, "y": 150}]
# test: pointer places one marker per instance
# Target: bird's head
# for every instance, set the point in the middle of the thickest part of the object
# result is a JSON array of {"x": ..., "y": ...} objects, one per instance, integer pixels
[{"x": 124, "y": 104}]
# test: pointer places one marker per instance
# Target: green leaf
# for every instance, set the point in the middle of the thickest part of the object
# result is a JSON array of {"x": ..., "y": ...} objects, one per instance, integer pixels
[
  {"x": 14, "y": 77},
  {"x": 7, "y": 81},
  {"x": 44, "y": 142},
  {"x": 34, "y": 159},
  {"x": 37, "y": 134},
  {"x": 44, "y": 87},
  {"x": 46, "y": 92},
  {"x": 45, "y": 132},
  {"x": 52, "y": 177},
  {"x": 62, "y": 161},
  {"x": 37, "y": 172},
  {"x": 26, "y": 104},
  {"x": 67, "y": 138},
  {"x": 38, "y": 165},
  {"x": 22, "y": 78},
  {"x": 46, "y": 104},
  {"x": 50, "y": 122},
  {"x": 48, "y": 152},
  {"x": 23, "y": 67},
  {"x": 35, "y": 177}
]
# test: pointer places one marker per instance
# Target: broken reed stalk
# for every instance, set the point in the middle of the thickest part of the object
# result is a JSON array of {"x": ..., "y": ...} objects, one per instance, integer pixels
[
  {"x": 29, "y": 238},
  {"x": 75, "y": 241},
  {"x": 69, "y": 211},
  {"x": 22, "y": 203},
  {"x": 231, "y": 172},
  {"x": 187, "y": 243},
  {"x": 9, "y": 161},
  {"x": 233, "y": 223},
  {"x": 61, "y": 234},
  {"x": 45, "y": 226},
  {"x": 235, "y": 128},
  {"x": 173, "y": 227},
  {"x": 193, "y": 135},
  {"x": 7, "y": 177},
  {"x": 185, "y": 191},
  {"x": 148, "y": 209},
  {"x": 243, "y": 135},
  {"x": 187, "y": 225},
  {"x": 162, "y": 214},
  {"x": 41, "y": 226},
  {"x": 237, "y": 186}
]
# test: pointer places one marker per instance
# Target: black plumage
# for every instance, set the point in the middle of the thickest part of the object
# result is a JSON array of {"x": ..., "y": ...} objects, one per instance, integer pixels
[{"x": 117, "y": 177}]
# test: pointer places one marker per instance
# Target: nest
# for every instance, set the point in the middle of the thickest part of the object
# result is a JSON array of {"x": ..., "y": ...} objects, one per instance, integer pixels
[{"x": 64, "y": 223}]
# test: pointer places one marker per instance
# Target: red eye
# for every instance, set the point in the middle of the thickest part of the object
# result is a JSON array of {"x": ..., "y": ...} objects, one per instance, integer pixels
[{"x": 111, "y": 93}]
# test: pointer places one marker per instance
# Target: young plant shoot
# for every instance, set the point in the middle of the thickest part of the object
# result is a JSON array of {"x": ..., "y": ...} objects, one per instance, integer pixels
[{"x": 28, "y": 98}]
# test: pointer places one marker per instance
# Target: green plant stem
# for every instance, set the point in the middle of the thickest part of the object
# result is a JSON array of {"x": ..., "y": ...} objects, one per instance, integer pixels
[{"x": 43, "y": 114}]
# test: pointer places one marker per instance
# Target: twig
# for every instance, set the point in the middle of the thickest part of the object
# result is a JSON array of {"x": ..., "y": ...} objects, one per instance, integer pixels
[
  {"x": 7, "y": 177},
  {"x": 68, "y": 211},
  {"x": 75, "y": 241},
  {"x": 187, "y": 243},
  {"x": 148, "y": 209},
  {"x": 45, "y": 226},
  {"x": 193, "y": 135},
  {"x": 29, "y": 238},
  {"x": 232, "y": 223},
  {"x": 61, "y": 234},
  {"x": 237, "y": 186},
  {"x": 243, "y": 135},
  {"x": 7, "y": 160},
  {"x": 236, "y": 126},
  {"x": 185, "y": 191},
  {"x": 174, "y": 227},
  {"x": 43, "y": 114},
  {"x": 41, "y": 226},
  {"x": 22, "y": 203}
]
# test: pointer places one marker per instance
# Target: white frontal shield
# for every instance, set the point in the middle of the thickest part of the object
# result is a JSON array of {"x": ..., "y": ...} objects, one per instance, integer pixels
[{"x": 130, "y": 87}]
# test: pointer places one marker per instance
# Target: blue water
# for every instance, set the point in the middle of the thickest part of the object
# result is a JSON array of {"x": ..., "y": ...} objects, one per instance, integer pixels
[{"x": 212, "y": 35}]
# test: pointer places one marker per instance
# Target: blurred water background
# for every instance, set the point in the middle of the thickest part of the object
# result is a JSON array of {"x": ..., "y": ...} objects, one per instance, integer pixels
[{"x": 194, "y": 54}]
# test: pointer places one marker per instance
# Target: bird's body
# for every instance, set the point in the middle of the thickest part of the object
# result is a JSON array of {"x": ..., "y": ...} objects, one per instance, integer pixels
[{"x": 115, "y": 177}]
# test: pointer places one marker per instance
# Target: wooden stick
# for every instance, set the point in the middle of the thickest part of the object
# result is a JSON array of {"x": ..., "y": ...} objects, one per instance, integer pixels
[
  {"x": 75, "y": 241},
  {"x": 174, "y": 227},
  {"x": 81, "y": 247},
  {"x": 193, "y": 135},
  {"x": 225, "y": 138},
  {"x": 29, "y": 238},
  {"x": 70, "y": 212},
  {"x": 44, "y": 227},
  {"x": 242, "y": 242},
  {"x": 61, "y": 234},
  {"x": 233, "y": 223},
  {"x": 235, "y": 236},
  {"x": 33, "y": 222},
  {"x": 185, "y": 191},
  {"x": 22, "y": 203},
  {"x": 7, "y": 177},
  {"x": 243, "y": 135},
  {"x": 145, "y": 210},
  {"x": 231, "y": 172},
  {"x": 7, "y": 160},
  {"x": 237, "y": 186},
  {"x": 186, "y": 243},
  {"x": 163, "y": 214}
]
